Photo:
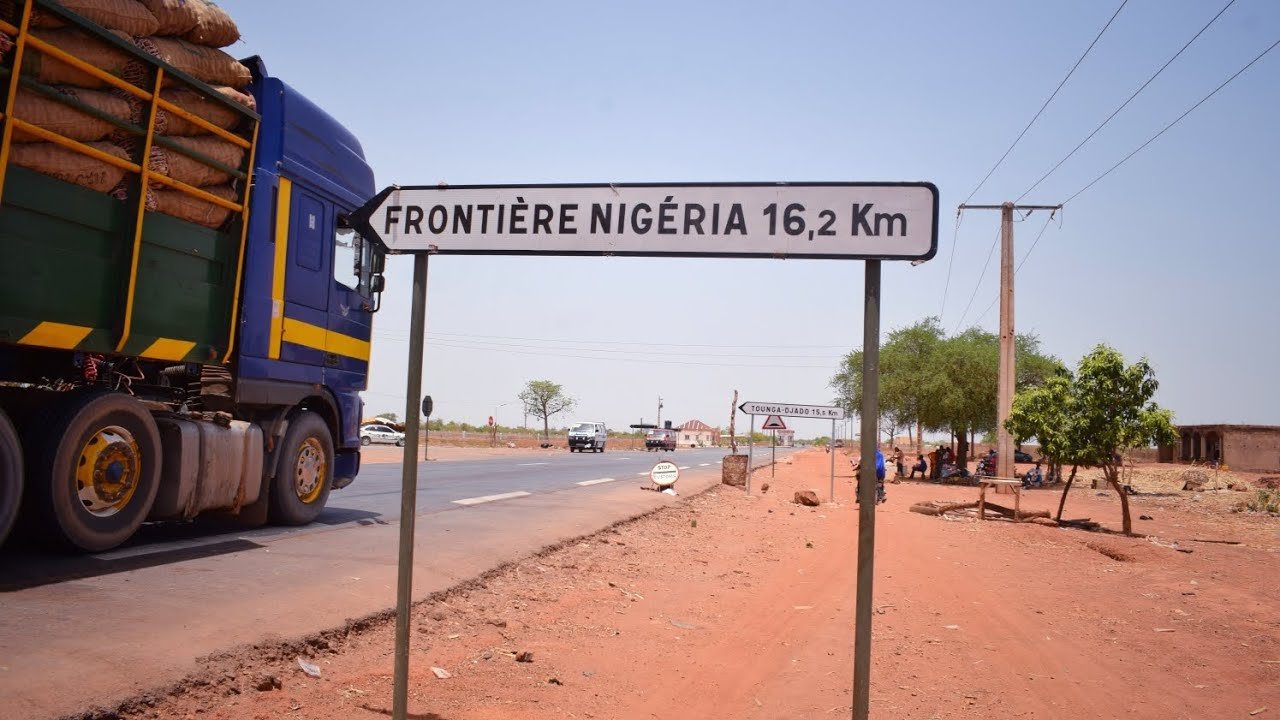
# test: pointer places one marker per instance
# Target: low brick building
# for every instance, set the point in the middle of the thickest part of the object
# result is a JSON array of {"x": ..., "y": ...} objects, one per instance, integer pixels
[
  {"x": 698, "y": 434},
  {"x": 1252, "y": 448}
]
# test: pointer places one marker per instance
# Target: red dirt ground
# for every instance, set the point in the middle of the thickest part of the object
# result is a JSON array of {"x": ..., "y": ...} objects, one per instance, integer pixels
[{"x": 727, "y": 606}]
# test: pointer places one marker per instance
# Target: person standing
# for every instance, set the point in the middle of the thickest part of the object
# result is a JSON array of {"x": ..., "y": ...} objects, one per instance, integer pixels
[{"x": 897, "y": 461}]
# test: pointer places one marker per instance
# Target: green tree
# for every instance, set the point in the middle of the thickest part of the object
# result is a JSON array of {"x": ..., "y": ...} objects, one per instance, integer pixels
[
  {"x": 934, "y": 382},
  {"x": 389, "y": 417},
  {"x": 542, "y": 399},
  {"x": 1093, "y": 417}
]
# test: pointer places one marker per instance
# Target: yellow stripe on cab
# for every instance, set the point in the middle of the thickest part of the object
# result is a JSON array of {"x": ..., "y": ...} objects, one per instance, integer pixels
[
  {"x": 318, "y": 338},
  {"x": 284, "y": 198}
]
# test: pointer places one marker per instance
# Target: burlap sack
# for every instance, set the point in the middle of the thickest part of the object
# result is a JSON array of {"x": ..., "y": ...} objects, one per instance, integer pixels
[
  {"x": 193, "y": 102},
  {"x": 214, "y": 27},
  {"x": 193, "y": 209},
  {"x": 176, "y": 17},
  {"x": 66, "y": 120},
  {"x": 92, "y": 50},
  {"x": 192, "y": 171},
  {"x": 128, "y": 16},
  {"x": 204, "y": 63},
  {"x": 70, "y": 166}
]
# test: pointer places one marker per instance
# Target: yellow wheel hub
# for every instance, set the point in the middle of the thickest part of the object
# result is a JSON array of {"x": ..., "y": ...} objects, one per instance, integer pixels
[
  {"x": 108, "y": 471},
  {"x": 310, "y": 470}
]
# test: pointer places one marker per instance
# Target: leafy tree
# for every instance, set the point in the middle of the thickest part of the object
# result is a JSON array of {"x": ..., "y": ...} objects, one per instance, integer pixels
[
  {"x": 542, "y": 399},
  {"x": 940, "y": 383},
  {"x": 1093, "y": 417},
  {"x": 389, "y": 417}
]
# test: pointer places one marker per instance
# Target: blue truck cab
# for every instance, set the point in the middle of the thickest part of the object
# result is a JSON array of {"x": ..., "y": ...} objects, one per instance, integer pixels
[{"x": 311, "y": 283}]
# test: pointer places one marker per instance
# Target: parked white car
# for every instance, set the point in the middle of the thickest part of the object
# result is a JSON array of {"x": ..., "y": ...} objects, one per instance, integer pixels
[{"x": 381, "y": 434}]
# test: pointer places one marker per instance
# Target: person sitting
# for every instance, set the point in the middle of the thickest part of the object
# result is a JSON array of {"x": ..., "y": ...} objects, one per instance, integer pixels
[
  {"x": 921, "y": 467},
  {"x": 1033, "y": 477}
]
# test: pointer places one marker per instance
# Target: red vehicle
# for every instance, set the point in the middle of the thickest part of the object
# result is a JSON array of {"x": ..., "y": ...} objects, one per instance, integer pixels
[{"x": 660, "y": 439}]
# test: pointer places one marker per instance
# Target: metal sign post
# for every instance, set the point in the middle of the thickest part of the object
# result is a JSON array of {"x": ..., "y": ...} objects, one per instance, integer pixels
[
  {"x": 751, "y": 446},
  {"x": 831, "y": 447},
  {"x": 409, "y": 487},
  {"x": 867, "y": 490}
]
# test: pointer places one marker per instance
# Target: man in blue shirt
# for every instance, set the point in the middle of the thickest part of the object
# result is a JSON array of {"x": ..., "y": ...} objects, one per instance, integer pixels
[{"x": 880, "y": 473}]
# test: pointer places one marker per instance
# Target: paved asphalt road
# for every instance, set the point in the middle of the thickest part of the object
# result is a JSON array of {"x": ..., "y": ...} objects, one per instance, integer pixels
[
  {"x": 180, "y": 592},
  {"x": 374, "y": 497}
]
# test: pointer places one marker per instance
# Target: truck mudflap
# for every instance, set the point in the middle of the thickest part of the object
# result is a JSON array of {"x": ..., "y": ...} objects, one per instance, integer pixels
[
  {"x": 346, "y": 465},
  {"x": 207, "y": 466}
]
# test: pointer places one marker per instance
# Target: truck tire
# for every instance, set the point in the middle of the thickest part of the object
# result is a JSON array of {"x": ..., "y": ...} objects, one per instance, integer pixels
[
  {"x": 94, "y": 476},
  {"x": 305, "y": 474},
  {"x": 10, "y": 476}
]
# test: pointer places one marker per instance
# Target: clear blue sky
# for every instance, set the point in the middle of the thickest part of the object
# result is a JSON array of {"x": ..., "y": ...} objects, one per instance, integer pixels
[{"x": 1174, "y": 256}]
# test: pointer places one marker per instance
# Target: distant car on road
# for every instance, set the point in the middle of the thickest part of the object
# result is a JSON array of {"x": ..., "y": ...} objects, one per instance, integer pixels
[
  {"x": 381, "y": 434},
  {"x": 660, "y": 439},
  {"x": 588, "y": 436},
  {"x": 1021, "y": 457}
]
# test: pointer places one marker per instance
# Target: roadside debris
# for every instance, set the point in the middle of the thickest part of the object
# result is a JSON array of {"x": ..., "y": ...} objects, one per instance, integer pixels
[
  {"x": 808, "y": 498},
  {"x": 308, "y": 668},
  {"x": 524, "y": 656},
  {"x": 441, "y": 673}
]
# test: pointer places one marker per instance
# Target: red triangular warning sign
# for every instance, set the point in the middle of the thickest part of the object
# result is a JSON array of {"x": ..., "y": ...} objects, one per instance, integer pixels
[{"x": 773, "y": 422}]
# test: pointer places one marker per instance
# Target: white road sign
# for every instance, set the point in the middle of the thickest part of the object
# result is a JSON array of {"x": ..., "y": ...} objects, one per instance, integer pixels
[
  {"x": 819, "y": 412},
  {"x": 887, "y": 221},
  {"x": 664, "y": 474}
]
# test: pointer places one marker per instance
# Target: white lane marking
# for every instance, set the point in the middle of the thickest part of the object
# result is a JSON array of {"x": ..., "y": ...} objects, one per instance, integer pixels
[
  {"x": 719, "y": 462},
  {"x": 530, "y": 464},
  {"x": 684, "y": 467},
  {"x": 490, "y": 498},
  {"x": 646, "y": 472},
  {"x": 596, "y": 481},
  {"x": 703, "y": 464},
  {"x": 624, "y": 458}
]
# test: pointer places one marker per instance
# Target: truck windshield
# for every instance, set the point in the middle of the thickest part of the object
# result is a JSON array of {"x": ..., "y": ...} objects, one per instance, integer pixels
[{"x": 584, "y": 428}]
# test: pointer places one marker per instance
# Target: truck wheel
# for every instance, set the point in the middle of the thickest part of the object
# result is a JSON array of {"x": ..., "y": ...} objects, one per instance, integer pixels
[
  {"x": 305, "y": 475},
  {"x": 10, "y": 476},
  {"x": 94, "y": 477}
]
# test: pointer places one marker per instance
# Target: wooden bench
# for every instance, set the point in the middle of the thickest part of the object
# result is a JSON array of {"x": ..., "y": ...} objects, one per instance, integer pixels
[{"x": 995, "y": 482}]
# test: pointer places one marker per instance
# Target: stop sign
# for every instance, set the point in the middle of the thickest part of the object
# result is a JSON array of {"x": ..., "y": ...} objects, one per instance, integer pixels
[{"x": 490, "y": 421}]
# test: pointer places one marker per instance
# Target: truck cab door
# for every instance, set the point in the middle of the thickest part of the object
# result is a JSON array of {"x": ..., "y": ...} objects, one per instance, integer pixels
[{"x": 307, "y": 277}]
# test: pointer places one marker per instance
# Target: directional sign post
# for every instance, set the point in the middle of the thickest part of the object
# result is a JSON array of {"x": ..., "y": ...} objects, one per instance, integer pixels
[
  {"x": 817, "y": 412},
  {"x": 892, "y": 221},
  {"x": 849, "y": 221}
]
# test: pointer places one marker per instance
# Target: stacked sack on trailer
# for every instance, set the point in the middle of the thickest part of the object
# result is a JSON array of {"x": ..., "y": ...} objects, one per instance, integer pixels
[{"x": 186, "y": 34}]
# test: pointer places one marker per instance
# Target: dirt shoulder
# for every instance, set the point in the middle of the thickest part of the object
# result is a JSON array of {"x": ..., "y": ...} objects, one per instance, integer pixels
[{"x": 733, "y": 606}]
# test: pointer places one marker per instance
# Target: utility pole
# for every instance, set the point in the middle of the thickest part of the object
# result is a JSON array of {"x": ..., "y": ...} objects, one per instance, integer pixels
[
  {"x": 659, "y": 411},
  {"x": 1008, "y": 360}
]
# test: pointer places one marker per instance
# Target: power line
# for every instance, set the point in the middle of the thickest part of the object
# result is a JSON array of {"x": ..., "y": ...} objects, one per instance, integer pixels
[
  {"x": 978, "y": 285},
  {"x": 1046, "y": 104},
  {"x": 448, "y": 335},
  {"x": 1175, "y": 122},
  {"x": 1125, "y": 103},
  {"x": 955, "y": 240},
  {"x": 458, "y": 346},
  {"x": 492, "y": 344},
  {"x": 1019, "y": 267}
]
